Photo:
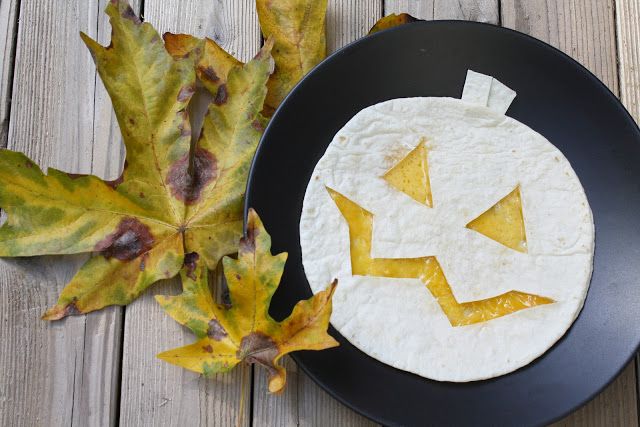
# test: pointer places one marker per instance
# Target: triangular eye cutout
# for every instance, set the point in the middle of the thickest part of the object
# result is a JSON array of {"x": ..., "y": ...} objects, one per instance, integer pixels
[
  {"x": 503, "y": 222},
  {"x": 411, "y": 175}
]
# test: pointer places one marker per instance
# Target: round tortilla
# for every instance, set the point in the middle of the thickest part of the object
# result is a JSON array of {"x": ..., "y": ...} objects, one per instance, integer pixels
[{"x": 476, "y": 156}]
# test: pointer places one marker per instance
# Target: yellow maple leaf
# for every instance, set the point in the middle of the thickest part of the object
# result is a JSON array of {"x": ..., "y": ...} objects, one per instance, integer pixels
[
  {"x": 245, "y": 331},
  {"x": 212, "y": 63},
  {"x": 391, "y": 21},
  {"x": 298, "y": 29},
  {"x": 172, "y": 198}
]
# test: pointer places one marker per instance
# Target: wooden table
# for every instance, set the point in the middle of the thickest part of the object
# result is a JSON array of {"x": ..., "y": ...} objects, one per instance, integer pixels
[{"x": 101, "y": 369}]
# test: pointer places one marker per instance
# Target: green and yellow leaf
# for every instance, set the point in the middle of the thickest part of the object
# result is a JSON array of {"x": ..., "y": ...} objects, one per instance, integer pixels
[
  {"x": 212, "y": 64},
  {"x": 298, "y": 29},
  {"x": 171, "y": 199},
  {"x": 391, "y": 21},
  {"x": 245, "y": 331}
]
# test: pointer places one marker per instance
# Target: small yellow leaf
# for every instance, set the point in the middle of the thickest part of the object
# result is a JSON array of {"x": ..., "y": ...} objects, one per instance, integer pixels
[
  {"x": 391, "y": 21},
  {"x": 213, "y": 63},
  {"x": 245, "y": 331},
  {"x": 298, "y": 29}
]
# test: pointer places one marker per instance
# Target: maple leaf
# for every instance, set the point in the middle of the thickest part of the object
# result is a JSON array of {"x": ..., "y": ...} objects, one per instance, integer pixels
[
  {"x": 298, "y": 29},
  {"x": 171, "y": 199},
  {"x": 391, "y": 21},
  {"x": 212, "y": 63},
  {"x": 244, "y": 331}
]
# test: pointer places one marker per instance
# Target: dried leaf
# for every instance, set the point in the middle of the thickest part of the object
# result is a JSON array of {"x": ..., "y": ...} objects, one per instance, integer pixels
[
  {"x": 170, "y": 199},
  {"x": 298, "y": 28},
  {"x": 212, "y": 64},
  {"x": 245, "y": 331},
  {"x": 391, "y": 21}
]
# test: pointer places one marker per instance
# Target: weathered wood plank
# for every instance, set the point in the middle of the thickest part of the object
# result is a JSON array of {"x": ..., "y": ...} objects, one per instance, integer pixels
[
  {"x": 155, "y": 393},
  {"x": 472, "y": 10},
  {"x": 271, "y": 410},
  {"x": 303, "y": 403},
  {"x": 348, "y": 20},
  {"x": 8, "y": 35},
  {"x": 68, "y": 370},
  {"x": 628, "y": 36},
  {"x": 586, "y": 31},
  {"x": 612, "y": 407},
  {"x": 628, "y": 31}
]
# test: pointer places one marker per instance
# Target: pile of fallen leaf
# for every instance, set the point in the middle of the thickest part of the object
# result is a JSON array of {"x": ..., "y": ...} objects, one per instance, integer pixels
[{"x": 177, "y": 207}]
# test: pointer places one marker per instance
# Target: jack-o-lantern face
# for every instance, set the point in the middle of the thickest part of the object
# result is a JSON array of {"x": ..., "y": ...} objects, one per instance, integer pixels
[{"x": 462, "y": 239}]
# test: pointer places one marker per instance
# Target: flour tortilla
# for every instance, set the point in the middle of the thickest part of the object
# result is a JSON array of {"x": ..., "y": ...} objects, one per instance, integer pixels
[{"x": 476, "y": 156}]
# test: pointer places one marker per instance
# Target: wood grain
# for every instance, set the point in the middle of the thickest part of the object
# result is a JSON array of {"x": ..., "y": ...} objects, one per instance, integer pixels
[
  {"x": 281, "y": 410},
  {"x": 348, "y": 20},
  {"x": 584, "y": 29},
  {"x": 628, "y": 32},
  {"x": 615, "y": 406},
  {"x": 471, "y": 10},
  {"x": 155, "y": 393},
  {"x": 64, "y": 372},
  {"x": 8, "y": 35}
]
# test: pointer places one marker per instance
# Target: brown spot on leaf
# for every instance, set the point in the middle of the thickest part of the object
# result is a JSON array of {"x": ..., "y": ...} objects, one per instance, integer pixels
[
  {"x": 132, "y": 122},
  {"x": 129, "y": 14},
  {"x": 28, "y": 164},
  {"x": 143, "y": 261},
  {"x": 248, "y": 242},
  {"x": 130, "y": 240},
  {"x": 187, "y": 187},
  {"x": 258, "y": 348},
  {"x": 221, "y": 96},
  {"x": 208, "y": 348},
  {"x": 114, "y": 183},
  {"x": 257, "y": 125},
  {"x": 75, "y": 175},
  {"x": 209, "y": 73},
  {"x": 216, "y": 331},
  {"x": 185, "y": 128},
  {"x": 141, "y": 195},
  {"x": 190, "y": 264},
  {"x": 72, "y": 309},
  {"x": 186, "y": 92}
]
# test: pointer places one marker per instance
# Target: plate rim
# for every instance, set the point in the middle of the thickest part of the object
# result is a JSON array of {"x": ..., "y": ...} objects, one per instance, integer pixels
[{"x": 403, "y": 27}]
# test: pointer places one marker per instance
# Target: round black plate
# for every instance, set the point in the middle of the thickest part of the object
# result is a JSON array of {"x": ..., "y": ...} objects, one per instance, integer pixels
[{"x": 556, "y": 97}]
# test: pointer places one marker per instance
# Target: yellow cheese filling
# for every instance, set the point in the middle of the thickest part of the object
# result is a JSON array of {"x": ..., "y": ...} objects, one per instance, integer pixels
[
  {"x": 503, "y": 222},
  {"x": 427, "y": 269},
  {"x": 411, "y": 175}
]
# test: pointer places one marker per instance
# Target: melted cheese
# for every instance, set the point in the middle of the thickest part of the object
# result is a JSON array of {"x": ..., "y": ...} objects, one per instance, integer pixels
[{"x": 427, "y": 269}]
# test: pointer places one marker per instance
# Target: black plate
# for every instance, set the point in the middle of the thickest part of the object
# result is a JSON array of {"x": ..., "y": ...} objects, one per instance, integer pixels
[{"x": 556, "y": 97}]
